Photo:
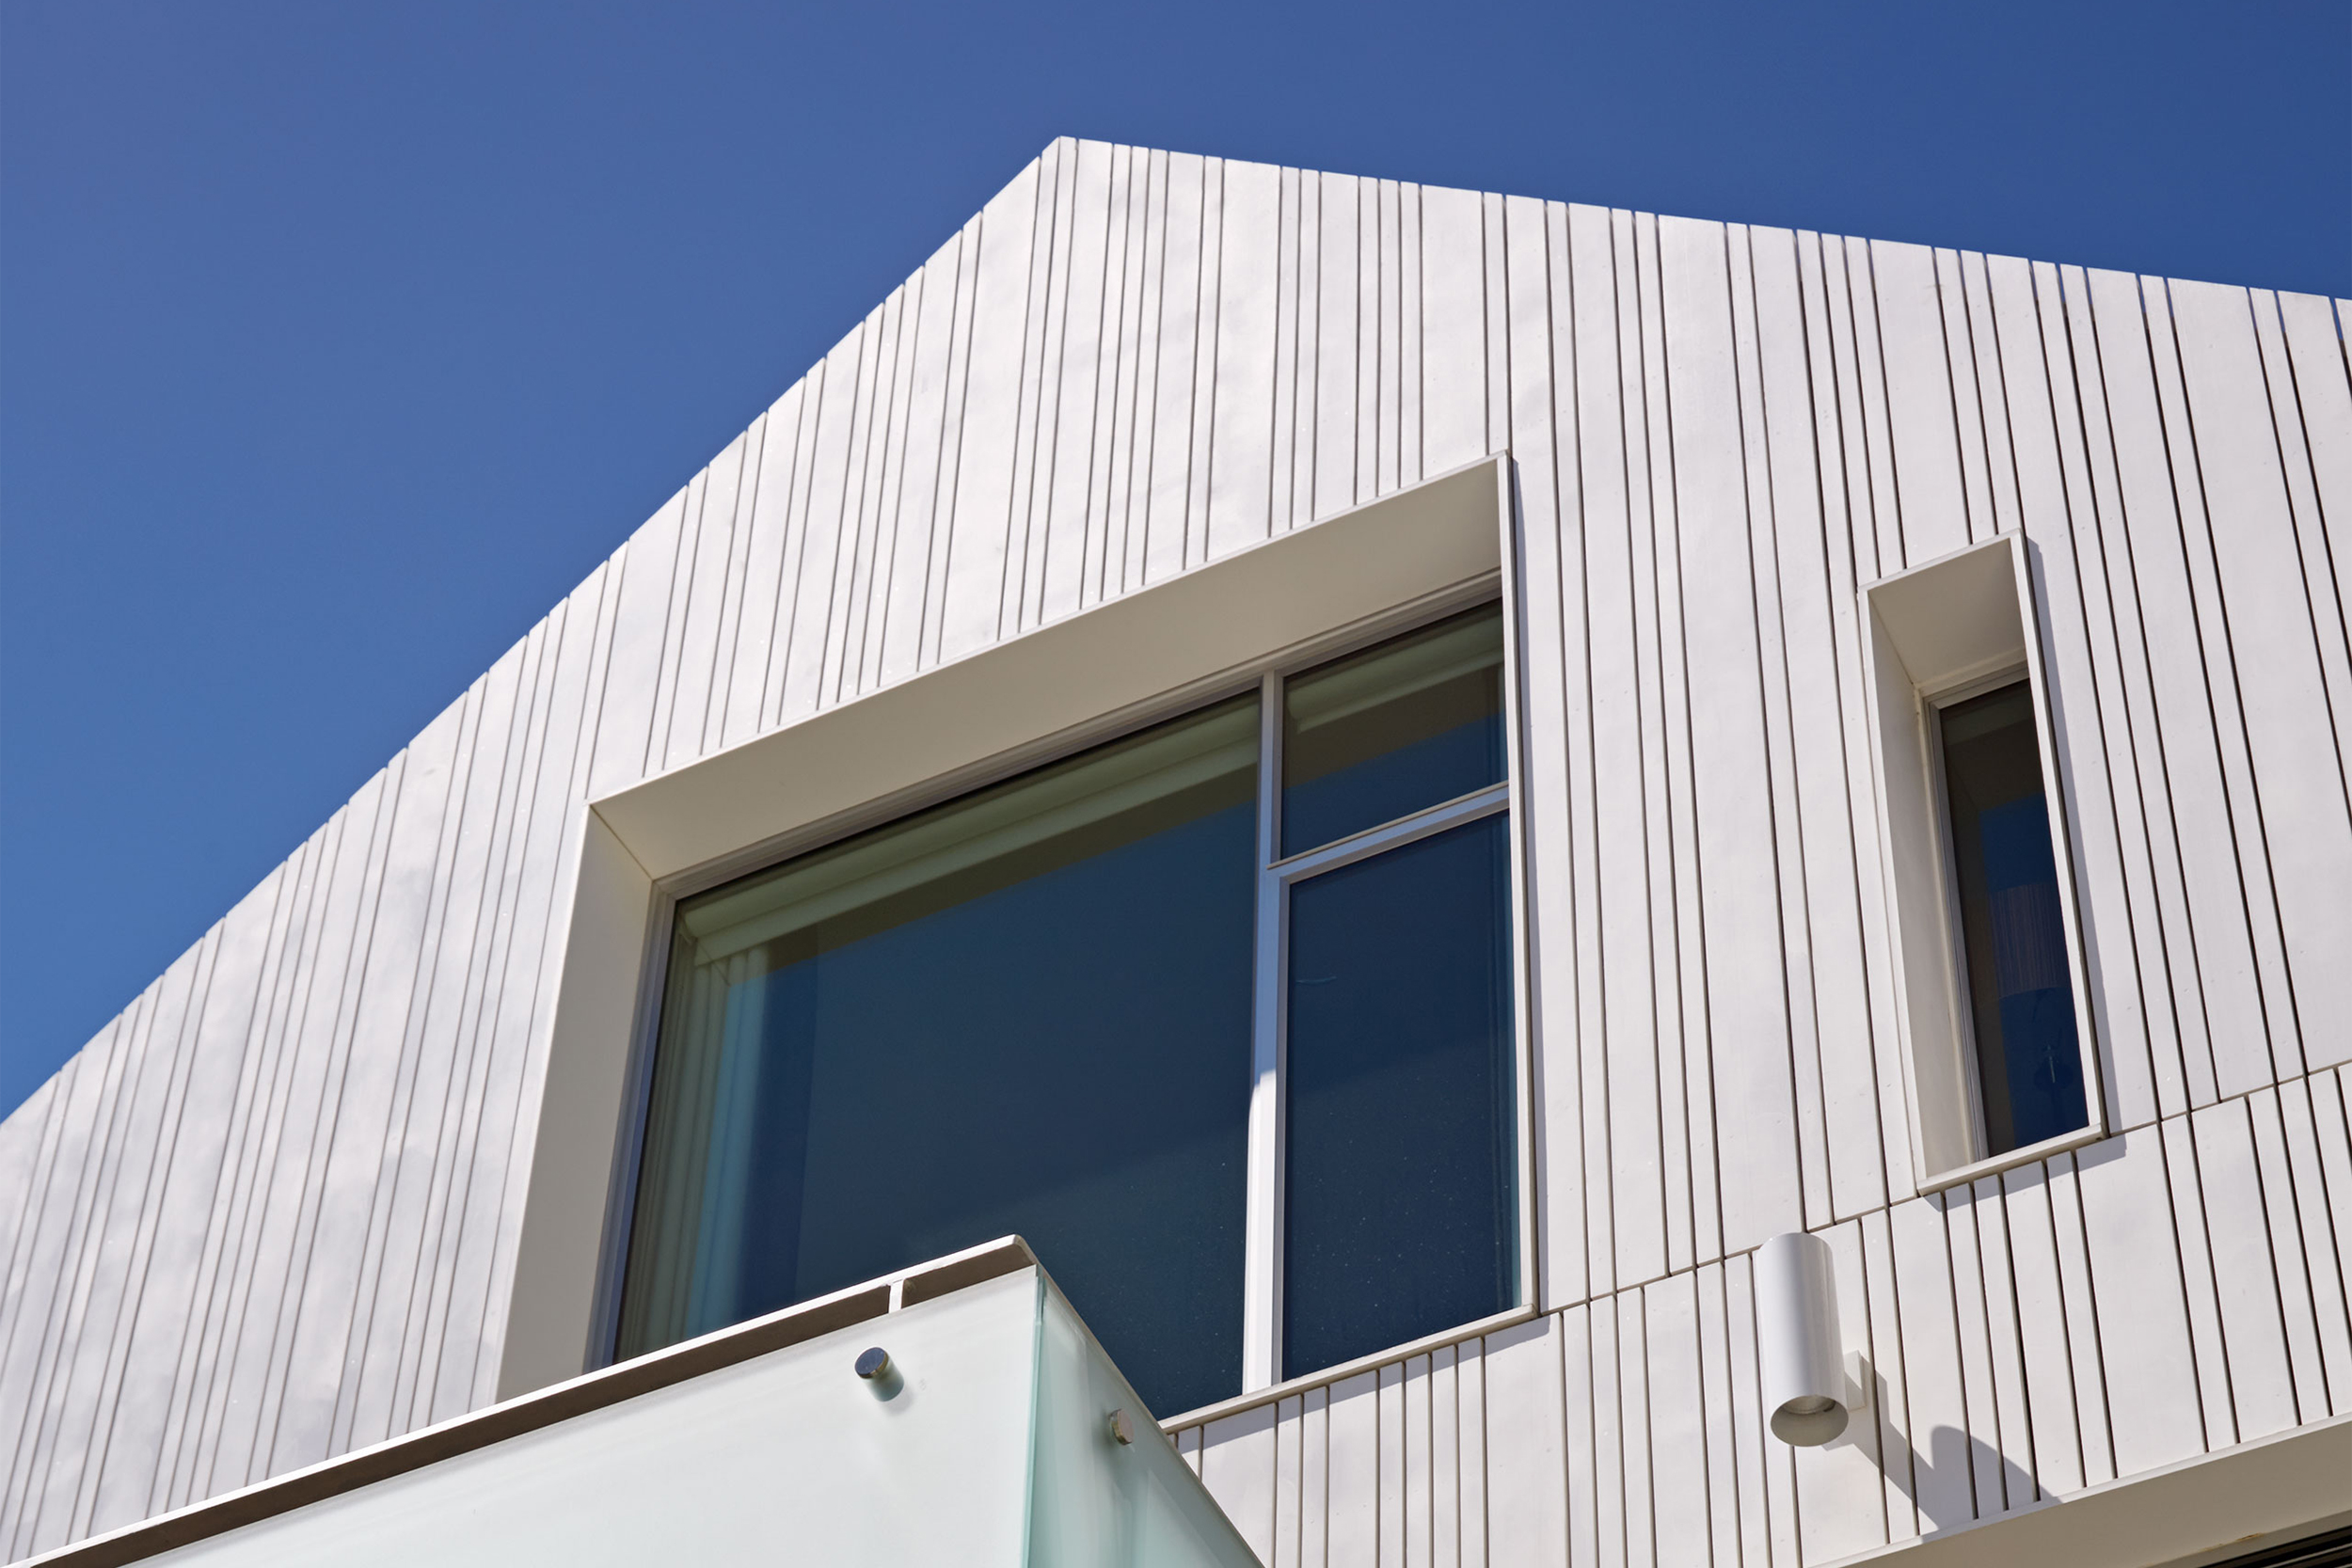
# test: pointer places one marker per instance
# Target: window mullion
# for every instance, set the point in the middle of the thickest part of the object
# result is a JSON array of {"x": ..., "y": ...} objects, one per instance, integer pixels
[{"x": 1261, "y": 1253}]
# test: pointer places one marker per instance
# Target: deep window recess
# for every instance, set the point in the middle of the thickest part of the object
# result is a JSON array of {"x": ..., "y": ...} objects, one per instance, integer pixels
[
  {"x": 1057, "y": 1005},
  {"x": 2012, "y": 934}
]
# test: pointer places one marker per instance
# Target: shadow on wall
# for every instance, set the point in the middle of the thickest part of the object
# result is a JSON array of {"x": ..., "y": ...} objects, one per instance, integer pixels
[{"x": 1957, "y": 1481}]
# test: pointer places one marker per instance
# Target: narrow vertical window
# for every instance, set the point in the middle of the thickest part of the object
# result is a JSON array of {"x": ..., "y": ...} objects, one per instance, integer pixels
[
  {"x": 1398, "y": 1202},
  {"x": 2013, "y": 932}
]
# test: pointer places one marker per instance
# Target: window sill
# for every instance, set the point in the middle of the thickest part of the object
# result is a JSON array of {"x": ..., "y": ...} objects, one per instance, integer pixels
[
  {"x": 1345, "y": 1370},
  {"x": 1994, "y": 1164}
]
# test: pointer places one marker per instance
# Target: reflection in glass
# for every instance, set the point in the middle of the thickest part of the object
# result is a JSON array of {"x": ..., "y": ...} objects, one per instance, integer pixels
[
  {"x": 1391, "y": 731},
  {"x": 1399, "y": 1216},
  {"x": 2029, "y": 1060},
  {"x": 1023, "y": 1011}
]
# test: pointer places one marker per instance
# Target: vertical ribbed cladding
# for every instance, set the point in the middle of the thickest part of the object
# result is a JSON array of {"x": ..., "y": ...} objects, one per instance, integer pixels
[{"x": 270, "y": 1213}]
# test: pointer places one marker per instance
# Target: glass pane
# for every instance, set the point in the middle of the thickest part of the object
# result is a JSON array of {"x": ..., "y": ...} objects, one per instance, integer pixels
[
  {"x": 2029, "y": 1064},
  {"x": 1024, "y": 1011},
  {"x": 1383, "y": 733},
  {"x": 1400, "y": 1209}
]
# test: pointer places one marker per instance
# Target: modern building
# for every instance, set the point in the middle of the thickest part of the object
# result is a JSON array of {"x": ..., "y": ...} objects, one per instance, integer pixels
[{"x": 1599, "y": 888}]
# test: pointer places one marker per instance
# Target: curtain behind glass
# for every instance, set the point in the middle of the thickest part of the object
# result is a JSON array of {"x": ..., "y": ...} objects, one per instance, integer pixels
[{"x": 1026, "y": 1010}]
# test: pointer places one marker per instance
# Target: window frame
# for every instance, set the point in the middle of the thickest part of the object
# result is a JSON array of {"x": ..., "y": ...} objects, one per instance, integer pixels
[
  {"x": 1935, "y": 634},
  {"x": 1274, "y": 609},
  {"x": 1278, "y": 875},
  {"x": 1262, "y": 1301}
]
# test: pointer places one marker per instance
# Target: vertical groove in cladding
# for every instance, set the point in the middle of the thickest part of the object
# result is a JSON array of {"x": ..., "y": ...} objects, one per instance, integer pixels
[{"x": 270, "y": 1213}]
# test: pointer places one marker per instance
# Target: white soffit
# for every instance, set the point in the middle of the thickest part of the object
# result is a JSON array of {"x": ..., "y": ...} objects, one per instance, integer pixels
[
  {"x": 1952, "y": 617},
  {"x": 1223, "y": 616}
]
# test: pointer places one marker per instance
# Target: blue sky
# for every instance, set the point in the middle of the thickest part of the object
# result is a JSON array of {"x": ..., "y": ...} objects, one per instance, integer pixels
[{"x": 337, "y": 342}]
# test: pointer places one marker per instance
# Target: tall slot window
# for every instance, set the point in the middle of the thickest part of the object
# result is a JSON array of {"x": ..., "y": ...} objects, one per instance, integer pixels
[
  {"x": 1994, "y": 1000},
  {"x": 1053, "y": 1007},
  {"x": 2012, "y": 934},
  {"x": 1399, "y": 1210}
]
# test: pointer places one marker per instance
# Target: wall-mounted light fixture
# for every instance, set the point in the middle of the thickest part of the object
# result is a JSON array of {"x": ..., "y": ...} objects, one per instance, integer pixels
[{"x": 1811, "y": 1388}]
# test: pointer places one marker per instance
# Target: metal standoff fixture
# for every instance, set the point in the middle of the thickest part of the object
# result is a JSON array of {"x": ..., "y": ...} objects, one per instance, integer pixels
[{"x": 880, "y": 1373}]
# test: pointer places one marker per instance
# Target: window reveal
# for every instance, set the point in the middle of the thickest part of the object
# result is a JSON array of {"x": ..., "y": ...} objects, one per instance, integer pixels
[{"x": 1030, "y": 1010}]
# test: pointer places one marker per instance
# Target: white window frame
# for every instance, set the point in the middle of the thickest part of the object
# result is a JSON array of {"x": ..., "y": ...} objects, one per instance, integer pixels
[
  {"x": 1938, "y": 633},
  {"x": 1269, "y": 1159},
  {"x": 1250, "y": 618}
]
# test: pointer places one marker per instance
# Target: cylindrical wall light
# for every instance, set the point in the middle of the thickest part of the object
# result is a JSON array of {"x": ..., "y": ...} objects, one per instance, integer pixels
[{"x": 1804, "y": 1368}]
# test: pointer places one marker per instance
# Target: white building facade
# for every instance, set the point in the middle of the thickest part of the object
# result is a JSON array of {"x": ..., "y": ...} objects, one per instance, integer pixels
[{"x": 1760, "y": 513}]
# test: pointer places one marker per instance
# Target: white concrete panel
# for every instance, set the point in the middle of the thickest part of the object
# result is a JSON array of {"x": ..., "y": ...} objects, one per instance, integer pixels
[
  {"x": 2245, "y": 1273},
  {"x": 1715, "y": 1372},
  {"x": 1237, "y": 1465},
  {"x": 710, "y": 606},
  {"x": 1971, "y": 411},
  {"x": 1774, "y": 669},
  {"x": 2178, "y": 710},
  {"x": 1993, "y": 396},
  {"x": 1637, "y": 260},
  {"x": 1974, "y": 1310},
  {"x": 1352, "y": 1470},
  {"x": 2135, "y": 1268},
  {"x": 1840, "y": 1492},
  {"x": 2298, "y": 1301},
  {"x": 1815, "y": 590},
  {"x": 1931, "y": 495},
  {"x": 2203, "y": 539},
  {"x": 1571, "y": 1163},
  {"x": 2299, "y": 1110},
  {"x": 2296, "y": 763},
  {"x": 2200, "y": 1285},
  {"x": 1526, "y": 1504},
  {"x": 2300, "y": 444},
  {"x": 1890, "y": 1402},
  {"x": 1677, "y": 1422},
  {"x": 1943, "y": 1477},
  {"x": 1748, "y": 1032},
  {"x": 1241, "y": 411},
  {"x": 2048, "y": 1367},
  {"x": 1469, "y": 1392},
  {"x": 1454, "y": 314}
]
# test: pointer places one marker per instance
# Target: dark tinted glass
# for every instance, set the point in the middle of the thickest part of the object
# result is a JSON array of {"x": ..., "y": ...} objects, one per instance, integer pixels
[
  {"x": 1399, "y": 1182},
  {"x": 1028, "y": 1010},
  {"x": 2028, "y": 1061},
  {"x": 1389, "y": 731}
]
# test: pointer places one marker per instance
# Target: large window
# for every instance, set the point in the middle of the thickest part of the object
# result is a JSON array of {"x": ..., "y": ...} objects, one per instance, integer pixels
[{"x": 1048, "y": 1007}]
